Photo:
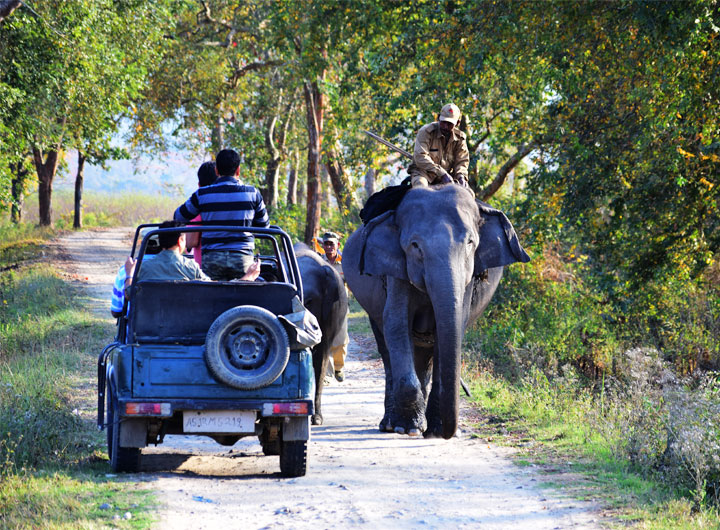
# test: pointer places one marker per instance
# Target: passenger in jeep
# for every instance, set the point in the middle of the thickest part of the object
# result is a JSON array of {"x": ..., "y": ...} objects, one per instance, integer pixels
[
  {"x": 228, "y": 202},
  {"x": 170, "y": 264}
]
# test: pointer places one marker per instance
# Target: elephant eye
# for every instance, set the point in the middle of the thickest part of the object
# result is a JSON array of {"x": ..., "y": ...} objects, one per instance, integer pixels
[{"x": 416, "y": 248}]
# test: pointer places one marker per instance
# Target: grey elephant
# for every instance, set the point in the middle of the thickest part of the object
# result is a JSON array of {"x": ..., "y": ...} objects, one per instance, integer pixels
[
  {"x": 326, "y": 298},
  {"x": 423, "y": 273}
]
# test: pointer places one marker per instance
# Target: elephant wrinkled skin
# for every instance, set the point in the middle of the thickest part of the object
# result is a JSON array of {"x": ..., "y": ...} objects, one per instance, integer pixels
[
  {"x": 424, "y": 273},
  {"x": 326, "y": 298}
]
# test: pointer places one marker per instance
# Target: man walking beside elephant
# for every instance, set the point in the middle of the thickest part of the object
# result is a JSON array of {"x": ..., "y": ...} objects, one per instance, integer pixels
[
  {"x": 441, "y": 154},
  {"x": 333, "y": 257}
]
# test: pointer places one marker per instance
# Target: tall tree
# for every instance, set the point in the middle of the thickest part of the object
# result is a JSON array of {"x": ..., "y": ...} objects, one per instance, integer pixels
[{"x": 72, "y": 68}]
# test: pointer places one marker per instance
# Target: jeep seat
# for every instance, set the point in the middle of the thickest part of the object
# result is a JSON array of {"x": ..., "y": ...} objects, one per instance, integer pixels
[{"x": 182, "y": 311}]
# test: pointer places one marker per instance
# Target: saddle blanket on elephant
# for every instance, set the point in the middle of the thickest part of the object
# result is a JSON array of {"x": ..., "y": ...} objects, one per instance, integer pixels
[{"x": 384, "y": 200}]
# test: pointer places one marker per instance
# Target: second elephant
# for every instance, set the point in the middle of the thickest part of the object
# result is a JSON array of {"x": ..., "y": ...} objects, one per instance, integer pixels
[{"x": 326, "y": 298}]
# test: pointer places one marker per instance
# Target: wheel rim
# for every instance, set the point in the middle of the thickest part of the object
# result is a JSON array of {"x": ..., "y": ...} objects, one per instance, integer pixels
[{"x": 247, "y": 347}]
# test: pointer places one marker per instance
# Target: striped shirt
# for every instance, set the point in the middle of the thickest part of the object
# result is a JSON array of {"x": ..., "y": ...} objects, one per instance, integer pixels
[{"x": 229, "y": 203}]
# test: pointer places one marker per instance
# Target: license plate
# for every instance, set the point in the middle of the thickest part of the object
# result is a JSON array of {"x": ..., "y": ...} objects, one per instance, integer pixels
[{"x": 219, "y": 421}]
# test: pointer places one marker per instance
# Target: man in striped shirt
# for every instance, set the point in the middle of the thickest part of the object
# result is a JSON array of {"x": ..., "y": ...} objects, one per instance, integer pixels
[{"x": 227, "y": 202}]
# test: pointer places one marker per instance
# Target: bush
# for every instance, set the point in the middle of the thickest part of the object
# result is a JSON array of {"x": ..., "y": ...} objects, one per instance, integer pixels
[
  {"x": 35, "y": 423},
  {"x": 545, "y": 314}
]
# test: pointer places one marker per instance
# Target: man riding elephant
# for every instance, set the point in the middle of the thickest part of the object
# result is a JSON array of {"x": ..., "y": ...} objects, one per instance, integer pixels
[{"x": 441, "y": 154}]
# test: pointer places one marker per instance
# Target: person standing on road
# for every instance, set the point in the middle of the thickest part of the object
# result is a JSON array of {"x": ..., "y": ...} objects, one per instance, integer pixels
[
  {"x": 333, "y": 257},
  {"x": 226, "y": 255},
  {"x": 441, "y": 154}
]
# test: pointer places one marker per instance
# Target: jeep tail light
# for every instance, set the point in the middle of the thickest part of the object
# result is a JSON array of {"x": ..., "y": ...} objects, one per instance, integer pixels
[
  {"x": 285, "y": 409},
  {"x": 148, "y": 409}
]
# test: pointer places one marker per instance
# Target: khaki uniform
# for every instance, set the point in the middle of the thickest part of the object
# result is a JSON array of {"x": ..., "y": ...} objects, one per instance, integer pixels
[
  {"x": 338, "y": 349},
  {"x": 433, "y": 156}
]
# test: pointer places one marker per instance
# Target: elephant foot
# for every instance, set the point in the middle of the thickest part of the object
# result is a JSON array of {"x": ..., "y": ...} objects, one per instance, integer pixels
[
  {"x": 433, "y": 433},
  {"x": 413, "y": 427},
  {"x": 410, "y": 432},
  {"x": 385, "y": 425},
  {"x": 434, "y": 429},
  {"x": 317, "y": 419}
]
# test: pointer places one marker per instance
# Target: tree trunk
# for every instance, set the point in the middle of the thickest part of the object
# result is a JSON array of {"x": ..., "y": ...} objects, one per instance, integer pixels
[
  {"x": 314, "y": 106},
  {"x": 46, "y": 166},
  {"x": 17, "y": 187},
  {"x": 292, "y": 180},
  {"x": 339, "y": 181},
  {"x": 370, "y": 182},
  {"x": 302, "y": 193},
  {"x": 273, "y": 165},
  {"x": 79, "y": 178},
  {"x": 325, "y": 188}
]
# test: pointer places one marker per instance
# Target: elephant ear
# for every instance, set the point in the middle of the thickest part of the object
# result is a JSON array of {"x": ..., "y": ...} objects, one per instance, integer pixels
[
  {"x": 499, "y": 244},
  {"x": 381, "y": 253}
]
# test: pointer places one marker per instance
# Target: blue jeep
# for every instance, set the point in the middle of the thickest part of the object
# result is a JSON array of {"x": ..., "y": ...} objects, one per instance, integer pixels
[{"x": 218, "y": 359}]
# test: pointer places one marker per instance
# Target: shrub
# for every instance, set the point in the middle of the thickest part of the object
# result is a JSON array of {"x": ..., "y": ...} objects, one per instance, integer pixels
[
  {"x": 545, "y": 314},
  {"x": 693, "y": 429}
]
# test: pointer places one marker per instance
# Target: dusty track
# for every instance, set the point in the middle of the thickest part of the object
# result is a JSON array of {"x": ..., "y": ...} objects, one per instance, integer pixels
[{"x": 357, "y": 477}]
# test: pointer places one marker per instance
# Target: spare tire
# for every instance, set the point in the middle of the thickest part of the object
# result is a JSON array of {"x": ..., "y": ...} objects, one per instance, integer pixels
[{"x": 246, "y": 347}]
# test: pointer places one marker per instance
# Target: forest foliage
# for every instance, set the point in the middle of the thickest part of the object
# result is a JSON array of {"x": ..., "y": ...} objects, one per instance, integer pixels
[{"x": 591, "y": 123}]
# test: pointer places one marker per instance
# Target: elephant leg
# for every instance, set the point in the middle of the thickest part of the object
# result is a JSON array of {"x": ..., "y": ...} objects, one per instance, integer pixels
[
  {"x": 321, "y": 361},
  {"x": 385, "y": 423},
  {"x": 424, "y": 368},
  {"x": 408, "y": 413}
]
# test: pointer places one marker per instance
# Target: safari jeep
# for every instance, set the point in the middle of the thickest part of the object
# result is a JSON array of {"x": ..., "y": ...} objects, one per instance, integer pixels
[{"x": 218, "y": 359}]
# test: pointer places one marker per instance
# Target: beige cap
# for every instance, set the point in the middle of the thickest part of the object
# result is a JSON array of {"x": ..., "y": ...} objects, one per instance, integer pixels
[
  {"x": 451, "y": 113},
  {"x": 330, "y": 236}
]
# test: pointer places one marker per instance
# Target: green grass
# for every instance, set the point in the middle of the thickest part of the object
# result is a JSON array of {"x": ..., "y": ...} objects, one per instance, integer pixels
[
  {"x": 53, "y": 467},
  {"x": 82, "y": 497},
  {"x": 358, "y": 323},
  {"x": 548, "y": 423}
]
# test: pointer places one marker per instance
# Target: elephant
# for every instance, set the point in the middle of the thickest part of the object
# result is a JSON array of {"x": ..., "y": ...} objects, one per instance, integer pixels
[
  {"x": 326, "y": 298},
  {"x": 423, "y": 273}
]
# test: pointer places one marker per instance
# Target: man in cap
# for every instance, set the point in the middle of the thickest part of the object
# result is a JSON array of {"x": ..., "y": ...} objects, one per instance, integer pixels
[
  {"x": 333, "y": 257},
  {"x": 441, "y": 154}
]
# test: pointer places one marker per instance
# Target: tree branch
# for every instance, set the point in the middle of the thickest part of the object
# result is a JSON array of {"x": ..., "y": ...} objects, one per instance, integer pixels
[
  {"x": 241, "y": 71},
  {"x": 207, "y": 14},
  {"x": 507, "y": 167}
]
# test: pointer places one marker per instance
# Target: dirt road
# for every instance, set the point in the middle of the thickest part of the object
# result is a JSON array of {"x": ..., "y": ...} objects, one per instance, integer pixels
[{"x": 357, "y": 477}]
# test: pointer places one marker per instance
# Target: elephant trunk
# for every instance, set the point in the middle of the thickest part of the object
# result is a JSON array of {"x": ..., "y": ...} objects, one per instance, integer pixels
[{"x": 447, "y": 305}]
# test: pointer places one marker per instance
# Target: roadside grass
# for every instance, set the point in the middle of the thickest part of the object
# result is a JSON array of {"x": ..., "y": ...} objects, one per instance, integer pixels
[
  {"x": 21, "y": 242},
  {"x": 553, "y": 427},
  {"x": 53, "y": 468},
  {"x": 358, "y": 322},
  {"x": 72, "y": 499}
]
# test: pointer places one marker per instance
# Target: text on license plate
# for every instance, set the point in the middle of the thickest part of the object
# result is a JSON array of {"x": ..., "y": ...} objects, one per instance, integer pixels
[{"x": 219, "y": 421}]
